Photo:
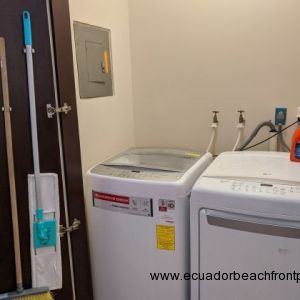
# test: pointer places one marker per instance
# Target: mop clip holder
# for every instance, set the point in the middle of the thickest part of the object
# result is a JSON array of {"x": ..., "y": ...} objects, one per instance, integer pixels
[
  {"x": 64, "y": 230},
  {"x": 51, "y": 110},
  {"x": 44, "y": 231}
]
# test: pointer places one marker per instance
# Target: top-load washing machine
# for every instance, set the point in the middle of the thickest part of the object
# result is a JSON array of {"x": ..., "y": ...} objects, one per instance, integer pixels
[
  {"x": 138, "y": 210},
  {"x": 245, "y": 228}
]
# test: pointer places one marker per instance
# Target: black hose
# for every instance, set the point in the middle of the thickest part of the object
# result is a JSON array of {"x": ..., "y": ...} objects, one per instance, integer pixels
[
  {"x": 255, "y": 132},
  {"x": 281, "y": 140},
  {"x": 275, "y": 134}
]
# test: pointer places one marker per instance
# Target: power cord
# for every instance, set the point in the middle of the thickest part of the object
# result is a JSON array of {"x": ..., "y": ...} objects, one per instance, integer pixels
[{"x": 277, "y": 133}]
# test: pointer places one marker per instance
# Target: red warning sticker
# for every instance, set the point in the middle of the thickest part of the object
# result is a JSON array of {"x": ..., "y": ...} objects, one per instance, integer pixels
[
  {"x": 111, "y": 198},
  {"x": 124, "y": 204}
]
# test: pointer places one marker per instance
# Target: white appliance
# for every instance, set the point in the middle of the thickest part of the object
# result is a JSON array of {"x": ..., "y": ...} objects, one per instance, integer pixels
[
  {"x": 245, "y": 217},
  {"x": 139, "y": 222}
]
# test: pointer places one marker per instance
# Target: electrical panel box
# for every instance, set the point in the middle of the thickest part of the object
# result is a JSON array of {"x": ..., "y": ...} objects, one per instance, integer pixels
[{"x": 93, "y": 56}]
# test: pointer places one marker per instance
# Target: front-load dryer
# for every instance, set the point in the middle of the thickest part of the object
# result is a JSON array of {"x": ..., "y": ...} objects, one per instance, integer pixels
[
  {"x": 245, "y": 228},
  {"x": 138, "y": 207}
]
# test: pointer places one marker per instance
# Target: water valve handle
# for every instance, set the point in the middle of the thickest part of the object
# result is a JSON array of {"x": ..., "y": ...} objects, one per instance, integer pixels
[{"x": 215, "y": 116}]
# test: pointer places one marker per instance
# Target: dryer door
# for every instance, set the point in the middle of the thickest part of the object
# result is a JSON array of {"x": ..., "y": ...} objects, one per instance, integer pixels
[{"x": 250, "y": 257}]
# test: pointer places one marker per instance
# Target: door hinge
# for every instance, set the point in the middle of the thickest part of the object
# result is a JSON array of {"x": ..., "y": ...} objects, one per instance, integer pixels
[
  {"x": 75, "y": 226},
  {"x": 51, "y": 110}
]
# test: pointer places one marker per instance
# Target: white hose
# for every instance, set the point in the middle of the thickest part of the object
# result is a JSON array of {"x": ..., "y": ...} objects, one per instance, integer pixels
[
  {"x": 238, "y": 140},
  {"x": 212, "y": 141}
]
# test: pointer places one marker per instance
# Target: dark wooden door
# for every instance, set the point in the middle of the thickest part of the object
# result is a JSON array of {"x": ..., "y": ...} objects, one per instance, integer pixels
[{"x": 11, "y": 30}]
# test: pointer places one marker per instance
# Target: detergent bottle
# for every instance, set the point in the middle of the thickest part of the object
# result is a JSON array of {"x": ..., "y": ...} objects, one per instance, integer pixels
[{"x": 295, "y": 145}]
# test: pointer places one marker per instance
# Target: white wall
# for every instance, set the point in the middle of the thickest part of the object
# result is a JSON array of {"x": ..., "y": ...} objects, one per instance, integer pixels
[
  {"x": 190, "y": 57},
  {"x": 106, "y": 124}
]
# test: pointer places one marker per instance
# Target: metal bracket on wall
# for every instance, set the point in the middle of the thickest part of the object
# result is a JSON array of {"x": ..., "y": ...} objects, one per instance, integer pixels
[
  {"x": 6, "y": 109},
  {"x": 51, "y": 110},
  {"x": 75, "y": 226}
]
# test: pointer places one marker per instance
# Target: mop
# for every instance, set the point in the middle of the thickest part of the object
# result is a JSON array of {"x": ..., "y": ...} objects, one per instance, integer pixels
[
  {"x": 43, "y": 196},
  {"x": 20, "y": 293}
]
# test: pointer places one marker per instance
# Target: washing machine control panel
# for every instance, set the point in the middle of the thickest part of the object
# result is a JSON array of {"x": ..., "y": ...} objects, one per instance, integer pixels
[
  {"x": 262, "y": 188},
  {"x": 136, "y": 173}
]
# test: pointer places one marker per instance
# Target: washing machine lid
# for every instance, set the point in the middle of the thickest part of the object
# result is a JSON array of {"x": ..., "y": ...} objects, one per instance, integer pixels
[
  {"x": 150, "y": 164},
  {"x": 255, "y": 165},
  {"x": 159, "y": 159}
]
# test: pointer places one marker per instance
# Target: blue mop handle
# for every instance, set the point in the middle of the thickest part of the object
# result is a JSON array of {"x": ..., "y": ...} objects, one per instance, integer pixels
[{"x": 27, "y": 28}]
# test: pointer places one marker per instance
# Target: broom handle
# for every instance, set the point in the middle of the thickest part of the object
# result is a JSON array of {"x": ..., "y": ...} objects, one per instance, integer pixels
[{"x": 11, "y": 169}]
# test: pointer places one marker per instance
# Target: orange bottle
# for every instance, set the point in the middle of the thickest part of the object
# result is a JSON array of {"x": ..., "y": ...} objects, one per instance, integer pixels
[{"x": 295, "y": 146}]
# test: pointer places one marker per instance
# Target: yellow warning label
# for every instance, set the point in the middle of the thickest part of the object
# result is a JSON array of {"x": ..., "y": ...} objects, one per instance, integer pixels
[{"x": 165, "y": 237}]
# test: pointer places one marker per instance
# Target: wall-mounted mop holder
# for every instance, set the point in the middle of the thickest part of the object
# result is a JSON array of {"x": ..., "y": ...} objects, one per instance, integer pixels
[{"x": 51, "y": 110}]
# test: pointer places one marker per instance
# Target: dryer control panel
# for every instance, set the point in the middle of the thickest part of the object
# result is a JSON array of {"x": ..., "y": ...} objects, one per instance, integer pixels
[{"x": 261, "y": 188}]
